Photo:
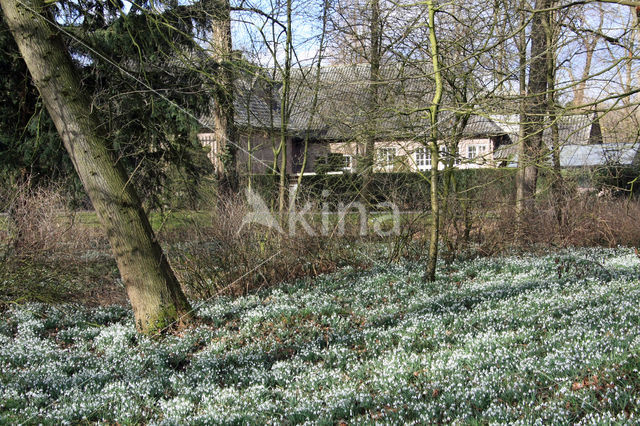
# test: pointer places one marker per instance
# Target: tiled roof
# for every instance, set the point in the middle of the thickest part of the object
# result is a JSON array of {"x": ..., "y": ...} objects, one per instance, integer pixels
[
  {"x": 575, "y": 130},
  {"x": 343, "y": 111},
  {"x": 578, "y": 129},
  {"x": 256, "y": 102},
  {"x": 491, "y": 125}
]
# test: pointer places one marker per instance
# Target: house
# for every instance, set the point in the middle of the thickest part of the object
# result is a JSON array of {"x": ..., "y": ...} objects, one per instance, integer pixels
[
  {"x": 334, "y": 127},
  {"x": 580, "y": 145}
]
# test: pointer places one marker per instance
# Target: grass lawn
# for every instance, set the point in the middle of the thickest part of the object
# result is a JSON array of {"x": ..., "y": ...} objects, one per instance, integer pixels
[
  {"x": 550, "y": 338},
  {"x": 159, "y": 221}
]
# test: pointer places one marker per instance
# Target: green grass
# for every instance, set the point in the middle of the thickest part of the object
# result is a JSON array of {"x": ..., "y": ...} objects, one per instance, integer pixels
[
  {"x": 170, "y": 221},
  {"x": 186, "y": 220},
  {"x": 180, "y": 220}
]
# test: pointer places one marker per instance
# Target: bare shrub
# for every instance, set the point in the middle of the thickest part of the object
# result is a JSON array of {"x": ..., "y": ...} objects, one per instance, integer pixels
[
  {"x": 46, "y": 254},
  {"x": 231, "y": 258},
  {"x": 477, "y": 217},
  {"x": 586, "y": 221},
  {"x": 590, "y": 221},
  {"x": 38, "y": 219}
]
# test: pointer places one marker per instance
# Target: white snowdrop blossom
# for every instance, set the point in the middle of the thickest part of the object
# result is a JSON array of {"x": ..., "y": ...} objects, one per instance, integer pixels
[{"x": 538, "y": 339}]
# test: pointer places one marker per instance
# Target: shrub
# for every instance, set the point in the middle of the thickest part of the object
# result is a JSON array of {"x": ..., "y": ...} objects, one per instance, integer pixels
[
  {"x": 45, "y": 255},
  {"x": 618, "y": 179},
  {"x": 409, "y": 191},
  {"x": 37, "y": 219},
  {"x": 584, "y": 221},
  {"x": 229, "y": 257}
]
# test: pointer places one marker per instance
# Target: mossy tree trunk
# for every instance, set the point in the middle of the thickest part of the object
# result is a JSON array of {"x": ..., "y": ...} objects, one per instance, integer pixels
[
  {"x": 153, "y": 289},
  {"x": 316, "y": 89},
  {"x": 434, "y": 109},
  {"x": 557, "y": 184}
]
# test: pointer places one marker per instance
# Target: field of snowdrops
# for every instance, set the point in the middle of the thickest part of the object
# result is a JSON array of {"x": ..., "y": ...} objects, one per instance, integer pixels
[{"x": 548, "y": 338}]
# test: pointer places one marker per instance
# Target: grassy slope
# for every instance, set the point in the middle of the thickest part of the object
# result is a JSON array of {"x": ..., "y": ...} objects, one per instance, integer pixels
[{"x": 553, "y": 337}]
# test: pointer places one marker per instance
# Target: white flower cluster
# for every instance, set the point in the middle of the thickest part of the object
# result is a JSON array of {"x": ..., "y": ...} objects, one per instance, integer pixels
[{"x": 518, "y": 340}]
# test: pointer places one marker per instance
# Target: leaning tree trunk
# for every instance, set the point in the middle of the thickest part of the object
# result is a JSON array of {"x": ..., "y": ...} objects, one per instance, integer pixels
[{"x": 153, "y": 289}]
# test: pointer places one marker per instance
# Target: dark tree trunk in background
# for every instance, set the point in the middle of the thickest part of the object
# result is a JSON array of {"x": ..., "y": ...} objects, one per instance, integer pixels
[
  {"x": 368, "y": 158},
  {"x": 284, "y": 111},
  {"x": 153, "y": 289},
  {"x": 557, "y": 184},
  {"x": 530, "y": 150},
  {"x": 223, "y": 111}
]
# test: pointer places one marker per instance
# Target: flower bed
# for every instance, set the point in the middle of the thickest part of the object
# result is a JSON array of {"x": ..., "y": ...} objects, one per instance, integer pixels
[{"x": 552, "y": 339}]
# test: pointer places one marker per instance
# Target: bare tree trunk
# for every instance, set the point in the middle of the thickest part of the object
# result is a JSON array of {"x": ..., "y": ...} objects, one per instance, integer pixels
[
  {"x": 284, "y": 112},
  {"x": 522, "y": 80},
  {"x": 316, "y": 88},
  {"x": 535, "y": 107},
  {"x": 590, "y": 46},
  {"x": 430, "y": 274},
  {"x": 557, "y": 184},
  {"x": 635, "y": 41},
  {"x": 223, "y": 111},
  {"x": 449, "y": 182},
  {"x": 153, "y": 289},
  {"x": 375, "y": 53}
]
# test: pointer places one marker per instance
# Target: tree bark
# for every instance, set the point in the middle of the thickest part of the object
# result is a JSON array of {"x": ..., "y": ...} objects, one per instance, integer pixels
[
  {"x": 535, "y": 108},
  {"x": 434, "y": 109},
  {"x": 153, "y": 289},
  {"x": 284, "y": 112},
  {"x": 522, "y": 82},
  {"x": 316, "y": 89},
  {"x": 557, "y": 184},
  {"x": 224, "y": 111},
  {"x": 375, "y": 53}
]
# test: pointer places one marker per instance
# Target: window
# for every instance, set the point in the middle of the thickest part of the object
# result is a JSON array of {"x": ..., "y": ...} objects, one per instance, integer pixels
[
  {"x": 348, "y": 163},
  {"x": 472, "y": 152},
  {"x": 333, "y": 162},
  {"x": 422, "y": 158},
  {"x": 386, "y": 157},
  {"x": 445, "y": 156}
]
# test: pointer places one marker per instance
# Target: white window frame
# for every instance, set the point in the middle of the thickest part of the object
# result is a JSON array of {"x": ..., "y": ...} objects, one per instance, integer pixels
[
  {"x": 444, "y": 156},
  {"x": 348, "y": 162},
  {"x": 422, "y": 157},
  {"x": 387, "y": 157},
  {"x": 472, "y": 152}
]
